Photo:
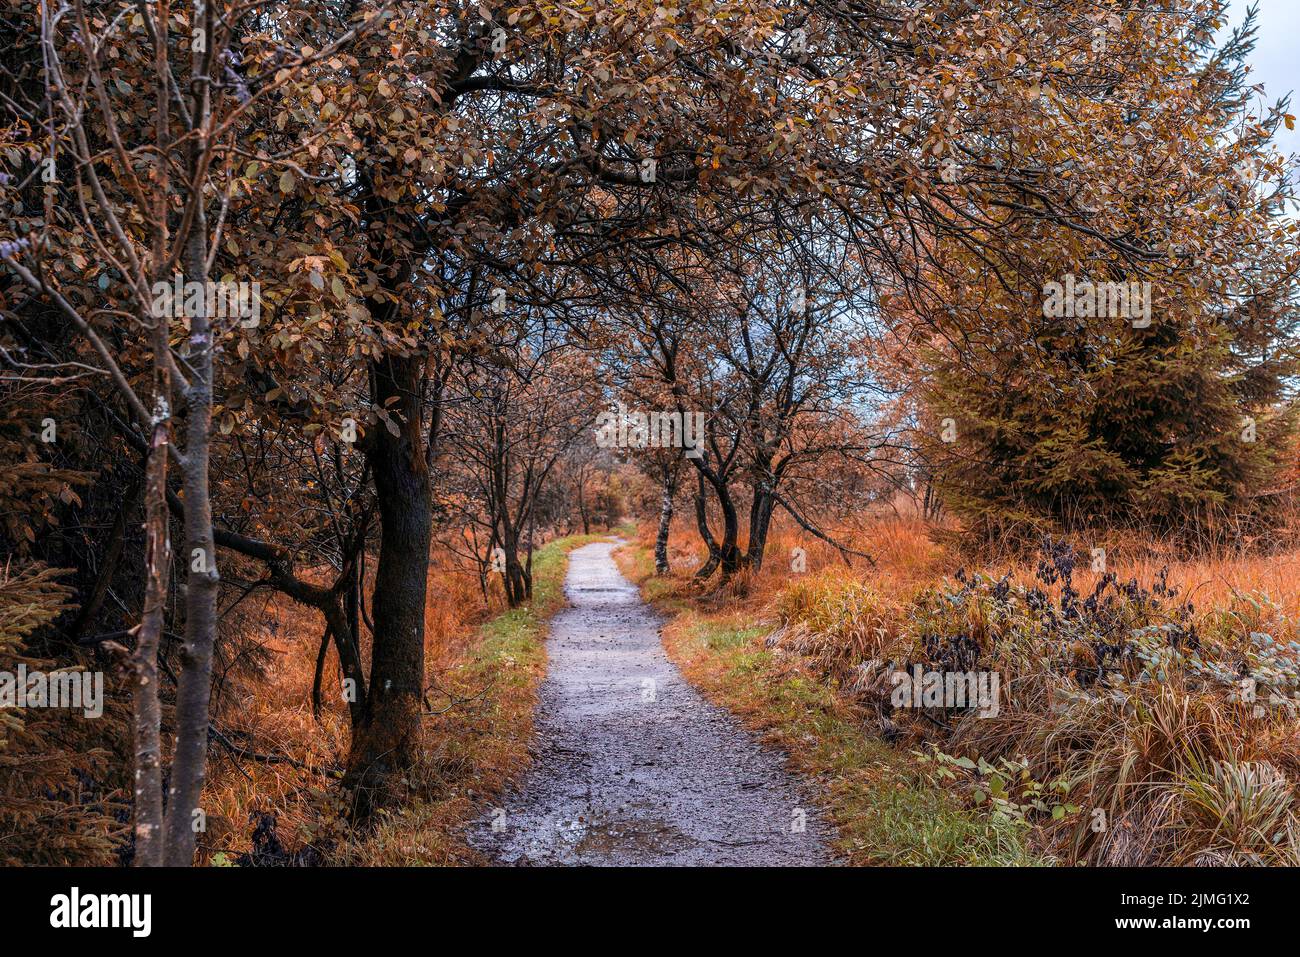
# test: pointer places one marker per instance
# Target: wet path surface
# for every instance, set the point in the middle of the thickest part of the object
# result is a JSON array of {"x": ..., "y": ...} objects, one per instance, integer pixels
[{"x": 632, "y": 766}]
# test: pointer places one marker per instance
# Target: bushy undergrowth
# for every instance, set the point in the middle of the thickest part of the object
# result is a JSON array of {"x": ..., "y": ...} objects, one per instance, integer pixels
[
  {"x": 55, "y": 805},
  {"x": 1131, "y": 727}
]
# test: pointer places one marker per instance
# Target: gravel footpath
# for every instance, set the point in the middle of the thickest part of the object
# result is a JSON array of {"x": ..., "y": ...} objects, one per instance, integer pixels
[{"x": 632, "y": 766}]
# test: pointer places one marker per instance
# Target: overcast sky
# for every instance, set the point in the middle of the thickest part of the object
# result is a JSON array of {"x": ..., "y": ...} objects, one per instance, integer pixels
[{"x": 1275, "y": 61}]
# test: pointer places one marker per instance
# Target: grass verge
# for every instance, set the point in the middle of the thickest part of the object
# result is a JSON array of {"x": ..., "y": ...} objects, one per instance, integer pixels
[{"x": 478, "y": 742}]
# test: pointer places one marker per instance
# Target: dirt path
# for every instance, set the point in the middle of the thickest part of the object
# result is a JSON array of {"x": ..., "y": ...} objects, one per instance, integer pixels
[{"x": 632, "y": 765}]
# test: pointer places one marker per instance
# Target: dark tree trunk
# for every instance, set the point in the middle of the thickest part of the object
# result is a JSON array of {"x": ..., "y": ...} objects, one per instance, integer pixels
[
  {"x": 730, "y": 557},
  {"x": 513, "y": 575},
  {"x": 386, "y": 741},
  {"x": 760, "y": 520},
  {"x": 582, "y": 505},
  {"x": 702, "y": 523},
  {"x": 338, "y": 627},
  {"x": 931, "y": 506},
  {"x": 517, "y": 581},
  {"x": 528, "y": 561},
  {"x": 665, "y": 521}
]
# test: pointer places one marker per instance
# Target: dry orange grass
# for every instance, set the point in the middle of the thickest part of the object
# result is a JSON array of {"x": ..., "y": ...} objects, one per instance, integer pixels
[
  {"x": 1217, "y": 581},
  {"x": 1185, "y": 774},
  {"x": 483, "y": 668},
  {"x": 270, "y": 714},
  {"x": 908, "y": 559},
  {"x": 899, "y": 541}
]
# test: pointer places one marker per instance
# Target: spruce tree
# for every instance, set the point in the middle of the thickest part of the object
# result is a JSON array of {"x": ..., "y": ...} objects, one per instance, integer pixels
[{"x": 1039, "y": 411}]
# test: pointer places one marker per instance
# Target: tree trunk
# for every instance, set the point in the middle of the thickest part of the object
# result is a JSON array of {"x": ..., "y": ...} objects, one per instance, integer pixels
[
  {"x": 760, "y": 520},
  {"x": 184, "y": 816},
  {"x": 702, "y": 523},
  {"x": 514, "y": 578},
  {"x": 729, "y": 554},
  {"x": 528, "y": 561},
  {"x": 386, "y": 741},
  {"x": 338, "y": 627},
  {"x": 582, "y": 504},
  {"x": 144, "y": 662},
  {"x": 348, "y": 646},
  {"x": 665, "y": 521}
]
